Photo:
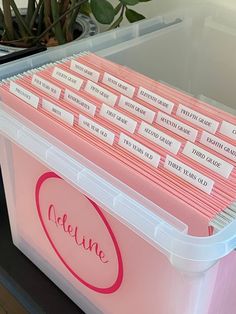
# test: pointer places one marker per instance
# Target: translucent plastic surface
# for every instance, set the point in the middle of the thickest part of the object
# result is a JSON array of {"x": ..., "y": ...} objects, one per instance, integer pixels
[
  {"x": 156, "y": 266},
  {"x": 95, "y": 43},
  {"x": 197, "y": 55}
]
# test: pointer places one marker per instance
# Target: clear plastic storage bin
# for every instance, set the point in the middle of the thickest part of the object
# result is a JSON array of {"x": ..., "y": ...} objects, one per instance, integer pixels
[
  {"x": 107, "y": 247},
  {"x": 196, "y": 55},
  {"x": 93, "y": 43}
]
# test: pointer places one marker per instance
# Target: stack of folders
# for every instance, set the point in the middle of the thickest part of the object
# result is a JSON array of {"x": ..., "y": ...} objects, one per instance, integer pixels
[{"x": 185, "y": 147}]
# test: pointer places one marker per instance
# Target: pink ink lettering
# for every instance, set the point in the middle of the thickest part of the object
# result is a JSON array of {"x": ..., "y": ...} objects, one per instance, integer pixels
[{"x": 73, "y": 231}]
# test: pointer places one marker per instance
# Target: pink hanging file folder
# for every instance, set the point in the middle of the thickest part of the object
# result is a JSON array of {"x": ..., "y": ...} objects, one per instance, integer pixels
[{"x": 170, "y": 148}]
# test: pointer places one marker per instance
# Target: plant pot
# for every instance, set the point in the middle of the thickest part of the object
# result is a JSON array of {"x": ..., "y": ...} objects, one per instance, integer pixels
[
  {"x": 87, "y": 26},
  {"x": 84, "y": 26}
]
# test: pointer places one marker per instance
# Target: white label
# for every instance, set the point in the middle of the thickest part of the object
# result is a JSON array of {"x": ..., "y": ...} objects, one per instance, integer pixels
[
  {"x": 24, "y": 94},
  {"x": 96, "y": 129},
  {"x": 139, "y": 150},
  {"x": 155, "y": 100},
  {"x": 219, "y": 145},
  {"x": 208, "y": 160},
  {"x": 118, "y": 118},
  {"x": 119, "y": 85},
  {"x": 101, "y": 93},
  {"x": 197, "y": 118},
  {"x": 46, "y": 86},
  {"x": 67, "y": 78},
  {"x": 159, "y": 138},
  {"x": 85, "y": 71},
  {"x": 80, "y": 102},
  {"x": 188, "y": 174},
  {"x": 228, "y": 129},
  {"x": 58, "y": 111},
  {"x": 137, "y": 109},
  {"x": 177, "y": 127}
]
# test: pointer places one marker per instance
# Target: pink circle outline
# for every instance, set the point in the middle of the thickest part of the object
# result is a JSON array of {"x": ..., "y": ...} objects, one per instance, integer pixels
[{"x": 115, "y": 286}]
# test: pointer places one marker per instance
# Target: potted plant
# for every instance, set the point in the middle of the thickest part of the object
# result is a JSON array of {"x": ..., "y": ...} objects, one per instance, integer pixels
[{"x": 57, "y": 21}]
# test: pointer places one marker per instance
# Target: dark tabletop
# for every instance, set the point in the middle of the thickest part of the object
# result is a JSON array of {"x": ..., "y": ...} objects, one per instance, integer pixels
[{"x": 23, "y": 279}]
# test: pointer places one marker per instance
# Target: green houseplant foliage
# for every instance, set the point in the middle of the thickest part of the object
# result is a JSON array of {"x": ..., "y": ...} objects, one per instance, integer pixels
[{"x": 51, "y": 22}]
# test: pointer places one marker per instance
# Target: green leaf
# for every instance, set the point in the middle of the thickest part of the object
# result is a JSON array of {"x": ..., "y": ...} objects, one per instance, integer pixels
[
  {"x": 103, "y": 11},
  {"x": 118, "y": 8},
  {"x": 129, "y": 2},
  {"x": 144, "y": 0},
  {"x": 133, "y": 16},
  {"x": 85, "y": 8}
]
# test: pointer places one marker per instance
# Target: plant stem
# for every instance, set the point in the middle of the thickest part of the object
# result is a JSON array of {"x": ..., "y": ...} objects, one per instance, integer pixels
[
  {"x": 40, "y": 19},
  {"x": 47, "y": 13},
  {"x": 63, "y": 5},
  {"x": 61, "y": 17},
  {"x": 18, "y": 40},
  {"x": 3, "y": 36},
  {"x": 121, "y": 14},
  {"x": 22, "y": 42},
  {"x": 122, "y": 10},
  {"x": 33, "y": 19},
  {"x": 57, "y": 27},
  {"x": 2, "y": 19},
  {"x": 8, "y": 19},
  {"x": 71, "y": 21},
  {"x": 116, "y": 23},
  {"x": 22, "y": 25},
  {"x": 30, "y": 11}
]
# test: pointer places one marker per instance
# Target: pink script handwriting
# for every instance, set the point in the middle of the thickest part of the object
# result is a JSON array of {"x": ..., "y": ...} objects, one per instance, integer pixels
[{"x": 73, "y": 232}]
